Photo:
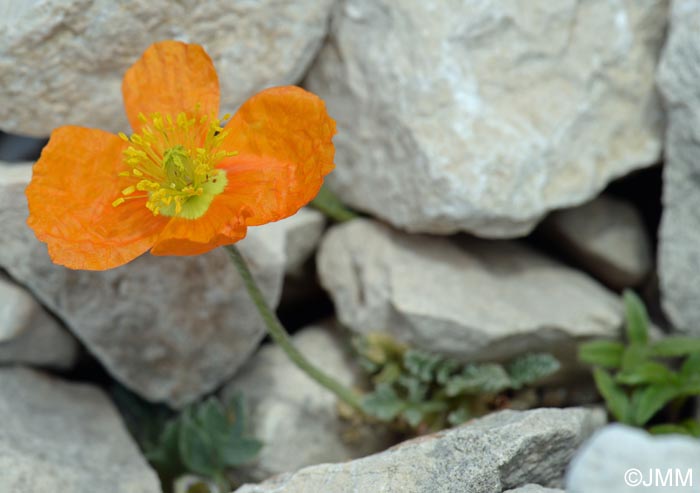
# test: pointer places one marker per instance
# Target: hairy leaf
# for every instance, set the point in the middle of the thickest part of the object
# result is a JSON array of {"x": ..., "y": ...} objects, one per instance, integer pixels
[
  {"x": 634, "y": 356},
  {"x": 675, "y": 346},
  {"x": 637, "y": 320},
  {"x": 239, "y": 451},
  {"x": 617, "y": 401},
  {"x": 651, "y": 400},
  {"x": 647, "y": 372},
  {"x": 384, "y": 403},
  {"x": 459, "y": 416},
  {"x": 607, "y": 354},
  {"x": 421, "y": 364},
  {"x": 530, "y": 368},
  {"x": 197, "y": 450},
  {"x": 690, "y": 370},
  {"x": 476, "y": 379},
  {"x": 688, "y": 427}
]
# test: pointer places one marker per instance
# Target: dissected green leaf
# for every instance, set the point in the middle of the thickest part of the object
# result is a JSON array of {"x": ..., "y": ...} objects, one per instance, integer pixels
[
  {"x": 145, "y": 420},
  {"x": 203, "y": 439},
  {"x": 235, "y": 415},
  {"x": 421, "y": 364},
  {"x": 197, "y": 449},
  {"x": 413, "y": 415},
  {"x": 211, "y": 416},
  {"x": 636, "y": 318},
  {"x": 675, "y": 346},
  {"x": 416, "y": 389},
  {"x": 239, "y": 451},
  {"x": 416, "y": 412},
  {"x": 476, "y": 379},
  {"x": 459, "y": 416},
  {"x": 651, "y": 400},
  {"x": 445, "y": 370},
  {"x": 530, "y": 368},
  {"x": 389, "y": 373},
  {"x": 607, "y": 354},
  {"x": 165, "y": 457},
  {"x": 423, "y": 389},
  {"x": 384, "y": 403},
  {"x": 617, "y": 401}
]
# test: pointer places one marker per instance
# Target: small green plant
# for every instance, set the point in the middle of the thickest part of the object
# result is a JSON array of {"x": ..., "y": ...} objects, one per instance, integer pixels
[
  {"x": 422, "y": 392},
  {"x": 205, "y": 439},
  {"x": 641, "y": 378}
]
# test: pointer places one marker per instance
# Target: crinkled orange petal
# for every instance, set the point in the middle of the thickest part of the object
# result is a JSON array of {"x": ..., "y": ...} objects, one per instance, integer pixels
[
  {"x": 222, "y": 224},
  {"x": 169, "y": 78},
  {"x": 70, "y": 199},
  {"x": 283, "y": 137}
]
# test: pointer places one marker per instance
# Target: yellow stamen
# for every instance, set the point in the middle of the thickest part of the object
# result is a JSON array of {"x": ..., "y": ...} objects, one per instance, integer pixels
[{"x": 174, "y": 160}]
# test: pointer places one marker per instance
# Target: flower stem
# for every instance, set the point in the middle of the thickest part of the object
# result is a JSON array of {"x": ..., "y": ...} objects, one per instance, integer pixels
[
  {"x": 332, "y": 207},
  {"x": 281, "y": 337}
]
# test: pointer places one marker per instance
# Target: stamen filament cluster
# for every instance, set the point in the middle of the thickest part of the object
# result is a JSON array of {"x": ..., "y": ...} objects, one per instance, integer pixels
[{"x": 172, "y": 162}]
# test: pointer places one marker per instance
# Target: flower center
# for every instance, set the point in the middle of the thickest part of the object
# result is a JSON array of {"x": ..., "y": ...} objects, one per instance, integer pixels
[{"x": 173, "y": 162}]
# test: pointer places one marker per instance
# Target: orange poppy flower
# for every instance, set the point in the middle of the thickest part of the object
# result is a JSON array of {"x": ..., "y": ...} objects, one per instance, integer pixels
[{"x": 182, "y": 184}]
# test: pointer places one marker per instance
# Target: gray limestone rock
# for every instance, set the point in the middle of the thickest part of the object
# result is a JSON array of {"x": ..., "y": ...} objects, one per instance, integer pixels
[
  {"x": 296, "y": 419},
  {"x": 483, "y": 116},
  {"x": 62, "y": 61},
  {"x": 621, "y": 459},
  {"x": 28, "y": 334},
  {"x": 468, "y": 298},
  {"x": 534, "y": 488},
  {"x": 679, "y": 234},
  {"x": 607, "y": 237},
  {"x": 501, "y": 451},
  {"x": 65, "y": 437}
]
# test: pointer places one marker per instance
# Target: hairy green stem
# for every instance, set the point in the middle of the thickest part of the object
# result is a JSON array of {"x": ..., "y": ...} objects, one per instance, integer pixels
[{"x": 282, "y": 338}]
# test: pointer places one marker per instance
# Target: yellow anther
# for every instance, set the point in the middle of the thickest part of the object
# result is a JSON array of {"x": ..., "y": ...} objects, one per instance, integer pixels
[
  {"x": 173, "y": 161},
  {"x": 118, "y": 202}
]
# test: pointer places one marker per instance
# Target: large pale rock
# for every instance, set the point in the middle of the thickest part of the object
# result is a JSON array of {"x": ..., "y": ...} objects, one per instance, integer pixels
[
  {"x": 28, "y": 334},
  {"x": 534, "y": 488},
  {"x": 621, "y": 459},
  {"x": 290, "y": 412},
  {"x": 482, "y": 116},
  {"x": 169, "y": 328},
  {"x": 473, "y": 299},
  {"x": 607, "y": 237},
  {"x": 62, "y": 61},
  {"x": 57, "y": 436},
  {"x": 498, "y": 452},
  {"x": 679, "y": 236}
]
